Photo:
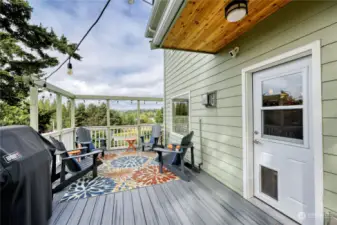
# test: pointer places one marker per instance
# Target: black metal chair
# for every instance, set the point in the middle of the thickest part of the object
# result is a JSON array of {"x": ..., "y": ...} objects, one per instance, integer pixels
[
  {"x": 69, "y": 164},
  {"x": 173, "y": 158}
]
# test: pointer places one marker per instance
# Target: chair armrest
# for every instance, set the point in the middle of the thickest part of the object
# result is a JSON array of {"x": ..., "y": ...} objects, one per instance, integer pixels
[
  {"x": 187, "y": 146},
  {"x": 98, "y": 149},
  {"x": 166, "y": 150},
  {"x": 174, "y": 144},
  {"x": 84, "y": 142},
  {"x": 59, "y": 152},
  {"x": 83, "y": 155}
]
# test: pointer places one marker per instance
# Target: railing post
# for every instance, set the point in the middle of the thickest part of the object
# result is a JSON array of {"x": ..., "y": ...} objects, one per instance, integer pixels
[
  {"x": 108, "y": 133},
  {"x": 34, "y": 109},
  {"x": 138, "y": 122},
  {"x": 59, "y": 114},
  {"x": 72, "y": 119}
]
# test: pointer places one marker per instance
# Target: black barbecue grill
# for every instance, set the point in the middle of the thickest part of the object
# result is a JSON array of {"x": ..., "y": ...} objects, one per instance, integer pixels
[{"x": 25, "y": 185}]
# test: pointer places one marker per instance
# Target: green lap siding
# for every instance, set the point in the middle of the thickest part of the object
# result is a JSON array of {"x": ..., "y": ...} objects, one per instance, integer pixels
[{"x": 220, "y": 137}]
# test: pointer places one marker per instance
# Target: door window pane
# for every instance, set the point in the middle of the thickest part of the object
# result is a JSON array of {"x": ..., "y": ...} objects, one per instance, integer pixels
[
  {"x": 286, "y": 90},
  {"x": 269, "y": 182},
  {"x": 283, "y": 123}
]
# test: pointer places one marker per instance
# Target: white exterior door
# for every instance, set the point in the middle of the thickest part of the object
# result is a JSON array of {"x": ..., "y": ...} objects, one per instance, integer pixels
[{"x": 283, "y": 159}]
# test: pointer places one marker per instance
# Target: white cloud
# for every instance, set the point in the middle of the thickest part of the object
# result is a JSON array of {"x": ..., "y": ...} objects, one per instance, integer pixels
[{"x": 117, "y": 59}]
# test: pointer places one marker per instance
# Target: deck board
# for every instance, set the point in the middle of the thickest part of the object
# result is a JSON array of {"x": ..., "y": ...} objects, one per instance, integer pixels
[
  {"x": 198, "y": 208},
  {"x": 67, "y": 212},
  {"x": 88, "y": 211},
  {"x": 77, "y": 213},
  {"x": 186, "y": 207},
  {"x": 118, "y": 215},
  {"x": 167, "y": 207},
  {"x": 203, "y": 200},
  {"x": 97, "y": 214},
  {"x": 138, "y": 208},
  {"x": 213, "y": 205},
  {"x": 176, "y": 205},
  {"x": 108, "y": 209},
  {"x": 241, "y": 207},
  {"x": 129, "y": 217},
  {"x": 149, "y": 213},
  {"x": 158, "y": 209}
]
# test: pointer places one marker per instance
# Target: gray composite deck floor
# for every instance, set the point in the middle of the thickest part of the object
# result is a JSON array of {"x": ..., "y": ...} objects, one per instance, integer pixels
[{"x": 203, "y": 200}]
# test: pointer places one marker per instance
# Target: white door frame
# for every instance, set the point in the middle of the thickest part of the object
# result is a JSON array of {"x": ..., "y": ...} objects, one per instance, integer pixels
[{"x": 313, "y": 49}]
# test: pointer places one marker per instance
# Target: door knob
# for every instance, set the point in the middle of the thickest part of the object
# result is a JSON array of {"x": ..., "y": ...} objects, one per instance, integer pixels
[
  {"x": 256, "y": 142},
  {"x": 256, "y": 132}
]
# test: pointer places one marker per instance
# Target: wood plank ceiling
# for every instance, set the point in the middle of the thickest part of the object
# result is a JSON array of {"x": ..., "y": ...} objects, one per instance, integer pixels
[{"x": 202, "y": 26}]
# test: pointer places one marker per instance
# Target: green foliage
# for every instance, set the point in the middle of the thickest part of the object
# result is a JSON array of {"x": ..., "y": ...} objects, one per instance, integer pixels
[
  {"x": 12, "y": 115},
  {"x": 23, "y": 50},
  {"x": 115, "y": 117},
  {"x": 144, "y": 118},
  {"x": 129, "y": 119},
  {"x": 159, "y": 116},
  {"x": 80, "y": 115},
  {"x": 181, "y": 109},
  {"x": 91, "y": 115}
]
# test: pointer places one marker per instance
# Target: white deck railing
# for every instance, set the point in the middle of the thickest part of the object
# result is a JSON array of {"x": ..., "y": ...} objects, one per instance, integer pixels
[
  {"x": 117, "y": 137},
  {"x": 119, "y": 134}
]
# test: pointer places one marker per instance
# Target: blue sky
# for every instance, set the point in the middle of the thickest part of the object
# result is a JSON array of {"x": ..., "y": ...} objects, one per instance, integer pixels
[{"x": 117, "y": 59}]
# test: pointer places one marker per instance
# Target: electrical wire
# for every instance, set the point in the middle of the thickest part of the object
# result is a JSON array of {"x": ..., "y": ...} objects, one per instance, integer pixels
[{"x": 78, "y": 45}]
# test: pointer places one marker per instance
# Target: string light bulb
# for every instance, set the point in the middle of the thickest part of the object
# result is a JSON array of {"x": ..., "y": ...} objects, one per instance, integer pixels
[{"x": 70, "y": 68}]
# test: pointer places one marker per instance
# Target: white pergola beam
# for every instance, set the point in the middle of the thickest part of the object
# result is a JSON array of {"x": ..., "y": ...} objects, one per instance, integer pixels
[
  {"x": 58, "y": 112},
  {"x": 72, "y": 118},
  {"x": 34, "y": 108},
  {"x": 120, "y": 98},
  {"x": 108, "y": 138},
  {"x": 138, "y": 121},
  {"x": 53, "y": 88},
  {"x": 72, "y": 113}
]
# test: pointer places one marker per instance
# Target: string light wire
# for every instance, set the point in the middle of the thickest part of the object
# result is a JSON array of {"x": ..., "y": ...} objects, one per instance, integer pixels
[{"x": 78, "y": 45}]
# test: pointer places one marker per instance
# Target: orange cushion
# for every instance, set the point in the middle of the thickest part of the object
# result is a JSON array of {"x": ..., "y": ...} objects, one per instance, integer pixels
[{"x": 170, "y": 146}]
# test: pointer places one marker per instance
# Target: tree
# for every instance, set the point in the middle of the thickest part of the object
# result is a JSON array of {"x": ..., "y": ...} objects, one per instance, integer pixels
[
  {"x": 80, "y": 115},
  {"x": 45, "y": 119},
  {"x": 144, "y": 118},
  {"x": 159, "y": 116},
  {"x": 115, "y": 118},
  {"x": 12, "y": 115},
  {"x": 23, "y": 49}
]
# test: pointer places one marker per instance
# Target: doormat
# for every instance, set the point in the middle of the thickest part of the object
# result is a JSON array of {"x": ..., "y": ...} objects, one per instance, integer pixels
[{"x": 120, "y": 171}]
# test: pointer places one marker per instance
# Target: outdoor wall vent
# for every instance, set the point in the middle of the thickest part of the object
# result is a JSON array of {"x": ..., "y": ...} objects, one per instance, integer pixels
[{"x": 209, "y": 99}]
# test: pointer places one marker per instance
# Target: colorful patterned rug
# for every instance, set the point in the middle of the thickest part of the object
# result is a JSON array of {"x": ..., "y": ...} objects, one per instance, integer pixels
[{"x": 120, "y": 171}]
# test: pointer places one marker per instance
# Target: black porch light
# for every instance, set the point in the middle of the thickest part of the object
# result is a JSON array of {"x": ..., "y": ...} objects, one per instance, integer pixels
[{"x": 236, "y": 10}]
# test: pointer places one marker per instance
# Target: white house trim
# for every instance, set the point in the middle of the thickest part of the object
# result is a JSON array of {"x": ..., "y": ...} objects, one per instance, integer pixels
[
  {"x": 313, "y": 49},
  {"x": 189, "y": 113}
]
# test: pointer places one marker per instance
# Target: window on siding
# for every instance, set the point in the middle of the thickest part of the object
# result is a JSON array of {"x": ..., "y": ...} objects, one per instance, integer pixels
[{"x": 180, "y": 114}]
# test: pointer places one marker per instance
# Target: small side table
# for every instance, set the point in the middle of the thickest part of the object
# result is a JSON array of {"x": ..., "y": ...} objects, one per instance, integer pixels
[{"x": 131, "y": 142}]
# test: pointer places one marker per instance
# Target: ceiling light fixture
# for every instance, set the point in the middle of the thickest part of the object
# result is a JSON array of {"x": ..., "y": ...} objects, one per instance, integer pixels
[{"x": 236, "y": 10}]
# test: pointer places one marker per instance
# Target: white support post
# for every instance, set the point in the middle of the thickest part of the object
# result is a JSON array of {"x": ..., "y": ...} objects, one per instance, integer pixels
[
  {"x": 34, "y": 108},
  {"x": 72, "y": 118},
  {"x": 59, "y": 114},
  {"x": 138, "y": 122},
  {"x": 108, "y": 133}
]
